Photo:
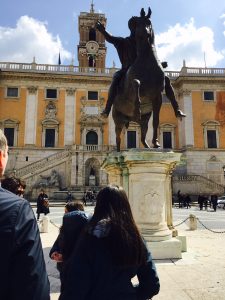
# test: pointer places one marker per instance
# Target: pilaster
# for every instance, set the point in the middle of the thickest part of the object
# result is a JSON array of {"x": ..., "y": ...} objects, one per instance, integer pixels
[
  {"x": 31, "y": 116},
  {"x": 187, "y": 127},
  {"x": 70, "y": 117}
]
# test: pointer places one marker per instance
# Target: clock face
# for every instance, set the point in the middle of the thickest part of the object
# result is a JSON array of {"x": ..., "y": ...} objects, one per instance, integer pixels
[{"x": 92, "y": 47}]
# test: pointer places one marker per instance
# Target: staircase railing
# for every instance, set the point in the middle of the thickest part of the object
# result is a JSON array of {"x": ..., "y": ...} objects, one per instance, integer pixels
[
  {"x": 43, "y": 163},
  {"x": 210, "y": 183}
]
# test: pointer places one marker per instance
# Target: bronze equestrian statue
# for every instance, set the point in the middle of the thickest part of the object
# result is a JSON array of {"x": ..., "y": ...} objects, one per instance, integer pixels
[{"x": 136, "y": 89}]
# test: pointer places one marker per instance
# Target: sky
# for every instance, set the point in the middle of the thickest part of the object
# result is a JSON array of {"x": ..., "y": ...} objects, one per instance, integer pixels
[{"x": 190, "y": 30}]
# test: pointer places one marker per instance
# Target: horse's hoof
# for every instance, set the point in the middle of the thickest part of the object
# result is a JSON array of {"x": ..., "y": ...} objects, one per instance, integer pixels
[
  {"x": 180, "y": 114},
  {"x": 156, "y": 144}
]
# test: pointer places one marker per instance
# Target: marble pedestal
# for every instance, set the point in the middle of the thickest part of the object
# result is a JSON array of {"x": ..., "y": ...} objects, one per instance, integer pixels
[{"x": 146, "y": 177}]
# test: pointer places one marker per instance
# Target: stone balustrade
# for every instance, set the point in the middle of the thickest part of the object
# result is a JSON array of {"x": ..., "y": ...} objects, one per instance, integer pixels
[
  {"x": 70, "y": 69},
  {"x": 58, "y": 69}
]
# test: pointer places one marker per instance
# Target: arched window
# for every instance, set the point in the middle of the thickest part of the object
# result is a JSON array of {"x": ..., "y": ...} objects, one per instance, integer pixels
[
  {"x": 92, "y": 35},
  {"x": 91, "y": 138}
]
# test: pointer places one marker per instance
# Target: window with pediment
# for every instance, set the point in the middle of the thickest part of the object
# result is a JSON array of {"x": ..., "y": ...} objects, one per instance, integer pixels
[
  {"x": 50, "y": 132},
  {"x": 10, "y": 128},
  {"x": 167, "y": 136},
  {"x": 211, "y": 134}
]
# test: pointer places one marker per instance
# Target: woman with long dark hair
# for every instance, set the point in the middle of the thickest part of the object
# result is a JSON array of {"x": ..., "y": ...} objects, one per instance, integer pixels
[{"x": 109, "y": 254}]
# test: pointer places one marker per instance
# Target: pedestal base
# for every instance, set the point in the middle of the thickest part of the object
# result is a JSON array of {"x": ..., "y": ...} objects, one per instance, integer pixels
[
  {"x": 166, "y": 249},
  {"x": 146, "y": 177}
]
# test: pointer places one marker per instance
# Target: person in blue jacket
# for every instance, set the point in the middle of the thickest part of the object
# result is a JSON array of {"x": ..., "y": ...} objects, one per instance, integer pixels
[{"x": 109, "y": 254}]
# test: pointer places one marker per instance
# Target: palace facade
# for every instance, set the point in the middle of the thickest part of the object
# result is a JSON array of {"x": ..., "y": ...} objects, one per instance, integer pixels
[{"x": 58, "y": 140}]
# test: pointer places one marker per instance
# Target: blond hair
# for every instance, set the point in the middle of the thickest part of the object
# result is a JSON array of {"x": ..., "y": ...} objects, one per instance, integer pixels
[{"x": 3, "y": 141}]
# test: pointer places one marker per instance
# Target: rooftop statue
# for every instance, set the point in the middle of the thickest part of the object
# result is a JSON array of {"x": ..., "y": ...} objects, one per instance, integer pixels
[{"x": 136, "y": 89}]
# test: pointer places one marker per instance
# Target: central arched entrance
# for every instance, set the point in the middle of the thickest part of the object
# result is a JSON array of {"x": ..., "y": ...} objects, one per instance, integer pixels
[{"x": 92, "y": 169}]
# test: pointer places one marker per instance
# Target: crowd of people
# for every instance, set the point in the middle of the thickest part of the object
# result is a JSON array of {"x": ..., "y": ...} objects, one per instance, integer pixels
[
  {"x": 204, "y": 201},
  {"x": 96, "y": 257},
  {"x": 89, "y": 196}
]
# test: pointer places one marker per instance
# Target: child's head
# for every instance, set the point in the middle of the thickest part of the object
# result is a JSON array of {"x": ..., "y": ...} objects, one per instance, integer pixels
[{"x": 74, "y": 205}]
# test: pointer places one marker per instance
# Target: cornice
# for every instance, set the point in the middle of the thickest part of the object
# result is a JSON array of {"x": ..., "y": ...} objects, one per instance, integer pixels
[
  {"x": 196, "y": 80},
  {"x": 57, "y": 78}
]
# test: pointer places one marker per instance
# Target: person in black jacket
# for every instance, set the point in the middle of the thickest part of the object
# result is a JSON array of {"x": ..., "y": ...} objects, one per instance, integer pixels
[
  {"x": 42, "y": 204},
  {"x": 109, "y": 254},
  {"x": 22, "y": 273}
]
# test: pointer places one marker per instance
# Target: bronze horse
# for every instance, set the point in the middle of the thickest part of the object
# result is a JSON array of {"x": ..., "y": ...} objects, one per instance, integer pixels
[{"x": 140, "y": 92}]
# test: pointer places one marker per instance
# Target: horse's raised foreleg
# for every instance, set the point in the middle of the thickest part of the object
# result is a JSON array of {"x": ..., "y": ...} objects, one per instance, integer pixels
[
  {"x": 156, "y": 110},
  {"x": 144, "y": 128}
]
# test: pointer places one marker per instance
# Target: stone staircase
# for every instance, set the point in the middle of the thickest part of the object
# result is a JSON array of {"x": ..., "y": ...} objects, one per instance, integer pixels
[
  {"x": 44, "y": 164},
  {"x": 196, "y": 185}
]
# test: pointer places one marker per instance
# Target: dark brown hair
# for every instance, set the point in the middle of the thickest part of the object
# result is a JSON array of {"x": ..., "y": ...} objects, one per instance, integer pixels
[
  {"x": 13, "y": 185},
  {"x": 74, "y": 205},
  {"x": 124, "y": 240}
]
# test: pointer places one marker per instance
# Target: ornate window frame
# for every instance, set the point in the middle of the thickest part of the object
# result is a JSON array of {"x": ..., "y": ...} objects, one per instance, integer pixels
[
  {"x": 211, "y": 125},
  {"x": 50, "y": 124},
  {"x": 167, "y": 127},
  {"x": 11, "y": 123},
  {"x": 133, "y": 127},
  {"x": 91, "y": 123}
]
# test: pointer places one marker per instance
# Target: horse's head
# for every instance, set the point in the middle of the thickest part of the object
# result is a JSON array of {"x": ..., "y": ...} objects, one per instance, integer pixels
[{"x": 141, "y": 27}]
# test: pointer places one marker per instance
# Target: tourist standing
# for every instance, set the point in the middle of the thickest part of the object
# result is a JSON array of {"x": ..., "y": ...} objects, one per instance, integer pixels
[
  {"x": 22, "y": 273},
  {"x": 42, "y": 204},
  {"x": 109, "y": 254},
  {"x": 214, "y": 201}
]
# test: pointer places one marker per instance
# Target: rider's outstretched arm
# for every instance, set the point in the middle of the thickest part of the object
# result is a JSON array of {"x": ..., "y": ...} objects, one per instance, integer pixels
[{"x": 109, "y": 38}]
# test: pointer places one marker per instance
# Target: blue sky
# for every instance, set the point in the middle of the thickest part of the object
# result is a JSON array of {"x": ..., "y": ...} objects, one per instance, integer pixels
[{"x": 193, "y": 30}]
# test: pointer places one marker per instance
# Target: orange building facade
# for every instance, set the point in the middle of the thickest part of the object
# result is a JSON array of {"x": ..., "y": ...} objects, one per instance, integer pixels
[{"x": 51, "y": 117}]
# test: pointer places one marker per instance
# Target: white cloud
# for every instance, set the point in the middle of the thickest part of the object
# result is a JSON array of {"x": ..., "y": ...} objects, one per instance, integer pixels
[
  {"x": 223, "y": 17},
  {"x": 30, "y": 38},
  {"x": 189, "y": 43}
]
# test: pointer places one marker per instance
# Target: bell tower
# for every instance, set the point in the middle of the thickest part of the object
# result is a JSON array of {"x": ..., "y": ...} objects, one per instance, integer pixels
[{"x": 91, "y": 48}]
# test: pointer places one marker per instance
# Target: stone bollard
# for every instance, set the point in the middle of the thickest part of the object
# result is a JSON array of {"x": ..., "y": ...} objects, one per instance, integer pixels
[
  {"x": 44, "y": 224},
  {"x": 192, "y": 222}
]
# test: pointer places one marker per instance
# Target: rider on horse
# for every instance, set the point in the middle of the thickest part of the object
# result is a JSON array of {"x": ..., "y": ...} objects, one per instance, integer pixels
[{"x": 126, "y": 48}]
